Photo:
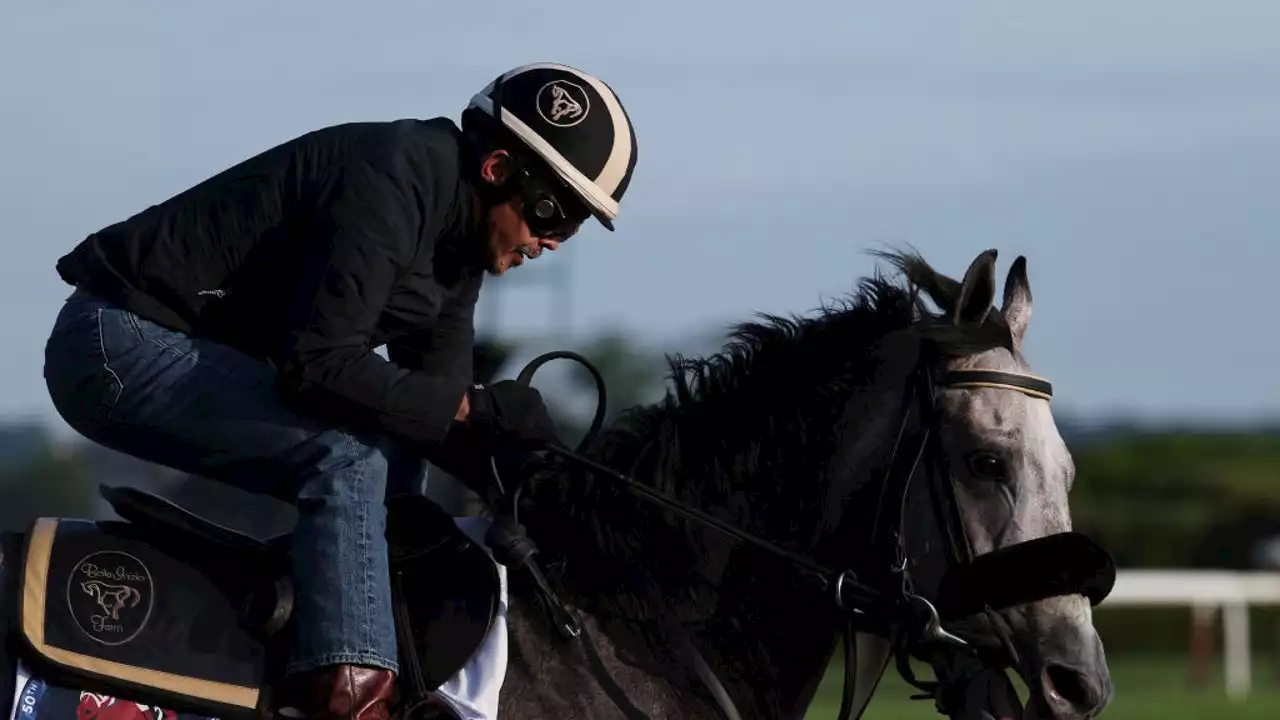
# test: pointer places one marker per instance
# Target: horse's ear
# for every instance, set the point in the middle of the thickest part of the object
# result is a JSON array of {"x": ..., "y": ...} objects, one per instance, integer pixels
[
  {"x": 1017, "y": 300},
  {"x": 977, "y": 290}
]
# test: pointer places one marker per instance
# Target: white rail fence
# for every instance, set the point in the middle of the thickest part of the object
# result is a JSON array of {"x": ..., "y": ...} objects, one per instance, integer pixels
[{"x": 1206, "y": 592}]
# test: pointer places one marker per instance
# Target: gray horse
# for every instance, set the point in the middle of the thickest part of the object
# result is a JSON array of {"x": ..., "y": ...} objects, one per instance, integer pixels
[{"x": 792, "y": 434}]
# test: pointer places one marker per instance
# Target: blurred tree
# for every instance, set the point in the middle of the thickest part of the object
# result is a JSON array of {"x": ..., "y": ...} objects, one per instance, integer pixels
[
  {"x": 21, "y": 442},
  {"x": 1248, "y": 539},
  {"x": 633, "y": 375},
  {"x": 1151, "y": 497},
  {"x": 490, "y": 356},
  {"x": 47, "y": 485}
]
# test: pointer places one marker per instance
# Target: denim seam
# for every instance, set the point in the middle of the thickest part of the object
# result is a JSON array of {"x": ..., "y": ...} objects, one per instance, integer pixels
[
  {"x": 364, "y": 642},
  {"x": 106, "y": 363},
  {"x": 132, "y": 319},
  {"x": 363, "y": 541},
  {"x": 166, "y": 346}
]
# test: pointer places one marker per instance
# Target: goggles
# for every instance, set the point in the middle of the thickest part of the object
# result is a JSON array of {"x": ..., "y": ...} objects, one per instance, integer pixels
[{"x": 551, "y": 209}]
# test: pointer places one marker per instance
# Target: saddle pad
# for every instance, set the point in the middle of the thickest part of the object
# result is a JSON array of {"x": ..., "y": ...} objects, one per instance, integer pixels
[
  {"x": 472, "y": 692},
  {"x": 105, "y": 612}
]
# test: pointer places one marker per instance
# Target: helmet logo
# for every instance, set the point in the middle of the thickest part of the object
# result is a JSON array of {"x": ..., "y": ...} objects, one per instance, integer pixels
[{"x": 562, "y": 103}]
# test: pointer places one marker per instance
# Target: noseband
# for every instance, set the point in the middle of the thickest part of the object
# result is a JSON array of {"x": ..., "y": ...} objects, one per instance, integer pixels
[{"x": 884, "y": 601}]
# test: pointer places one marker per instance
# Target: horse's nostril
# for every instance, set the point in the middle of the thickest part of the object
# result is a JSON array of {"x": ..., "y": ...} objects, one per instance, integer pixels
[{"x": 1071, "y": 687}]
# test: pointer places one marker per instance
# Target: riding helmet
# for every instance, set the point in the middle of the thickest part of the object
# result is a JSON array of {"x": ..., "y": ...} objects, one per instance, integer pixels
[{"x": 574, "y": 122}]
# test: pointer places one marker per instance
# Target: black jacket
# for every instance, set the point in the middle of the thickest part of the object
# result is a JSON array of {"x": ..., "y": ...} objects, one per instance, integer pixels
[{"x": 312, "y": 254}]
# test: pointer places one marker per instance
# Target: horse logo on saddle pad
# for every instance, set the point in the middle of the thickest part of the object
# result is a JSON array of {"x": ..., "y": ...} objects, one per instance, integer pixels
[{"x": 110, "y": 596}]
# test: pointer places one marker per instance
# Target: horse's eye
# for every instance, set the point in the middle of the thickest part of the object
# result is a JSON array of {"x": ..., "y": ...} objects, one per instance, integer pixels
[{"x": 986, "y": 465}]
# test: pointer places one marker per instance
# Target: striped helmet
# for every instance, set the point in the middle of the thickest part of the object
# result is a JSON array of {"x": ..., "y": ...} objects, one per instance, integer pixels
[{"x": 574, "y": 122}]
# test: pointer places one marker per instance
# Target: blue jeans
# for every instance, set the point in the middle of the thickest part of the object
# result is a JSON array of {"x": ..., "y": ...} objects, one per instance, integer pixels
[{"x": 207, "y": 409}]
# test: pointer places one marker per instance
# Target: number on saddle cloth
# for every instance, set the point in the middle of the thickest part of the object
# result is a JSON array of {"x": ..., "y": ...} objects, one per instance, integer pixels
[{"x": 174, "y": 610}]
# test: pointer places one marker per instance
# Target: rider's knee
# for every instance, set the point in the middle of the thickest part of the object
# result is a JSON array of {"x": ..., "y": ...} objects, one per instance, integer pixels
[
  {"x": 351, "y": 469},
  {"x": 81, "y": 383}
]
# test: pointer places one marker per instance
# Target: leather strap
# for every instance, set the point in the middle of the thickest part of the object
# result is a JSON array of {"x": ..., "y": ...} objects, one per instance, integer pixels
[
  {"x": 1036, "y": 387},
  {"x": 850, "y": 639},
  {"x": 709, "y": 679}
]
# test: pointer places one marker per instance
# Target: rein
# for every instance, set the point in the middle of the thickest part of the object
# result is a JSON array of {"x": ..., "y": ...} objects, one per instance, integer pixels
[{"x": 913, "y": 620}]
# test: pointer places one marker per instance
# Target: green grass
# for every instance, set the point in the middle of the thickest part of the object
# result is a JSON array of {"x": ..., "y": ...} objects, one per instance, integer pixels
[{"x": 1146, "y": 687}]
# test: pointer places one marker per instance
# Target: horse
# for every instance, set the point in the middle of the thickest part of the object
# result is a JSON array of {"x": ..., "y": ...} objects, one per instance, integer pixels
[
  {"x": 792, "y": 433},
  {"x": 878, "y": 475}
]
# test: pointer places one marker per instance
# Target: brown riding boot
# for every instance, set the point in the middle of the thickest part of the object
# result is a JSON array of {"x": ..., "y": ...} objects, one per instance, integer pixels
[{"x": 343, "y": 692}]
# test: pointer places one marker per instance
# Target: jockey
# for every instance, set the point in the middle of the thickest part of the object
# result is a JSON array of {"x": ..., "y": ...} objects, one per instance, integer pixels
[{"x": 230, "y": 330}]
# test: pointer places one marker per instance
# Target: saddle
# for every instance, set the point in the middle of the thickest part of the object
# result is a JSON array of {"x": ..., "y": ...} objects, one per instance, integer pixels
[{"x": 172, "y": 609}]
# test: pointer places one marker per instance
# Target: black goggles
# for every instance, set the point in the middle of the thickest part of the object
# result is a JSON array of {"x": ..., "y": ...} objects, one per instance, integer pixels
[{"x": 551, "y": 210}]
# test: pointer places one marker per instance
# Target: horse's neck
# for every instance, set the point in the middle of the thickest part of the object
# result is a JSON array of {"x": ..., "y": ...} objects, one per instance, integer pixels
[
  {"x": 772, "y": 634},
  {"x": 766, "y": 630},
  {"x": 768, "y": 644},
  {"x": 768, "y": 651},
  {"x": 547, "y": 677}
]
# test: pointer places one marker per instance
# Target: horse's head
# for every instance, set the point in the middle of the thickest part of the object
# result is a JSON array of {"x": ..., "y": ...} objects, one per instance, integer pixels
[{"x": 1010, "y": 474}]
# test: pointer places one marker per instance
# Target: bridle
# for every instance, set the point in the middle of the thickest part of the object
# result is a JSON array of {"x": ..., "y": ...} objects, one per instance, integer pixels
[{"x": 885, "y": 600}]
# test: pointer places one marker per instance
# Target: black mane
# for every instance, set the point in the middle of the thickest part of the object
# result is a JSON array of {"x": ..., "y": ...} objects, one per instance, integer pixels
[{"x": 743, "y": 434}]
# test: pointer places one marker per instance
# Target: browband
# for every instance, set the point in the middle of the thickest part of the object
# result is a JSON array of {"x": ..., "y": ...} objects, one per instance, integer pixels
[{"x": 1036, "y": 387}]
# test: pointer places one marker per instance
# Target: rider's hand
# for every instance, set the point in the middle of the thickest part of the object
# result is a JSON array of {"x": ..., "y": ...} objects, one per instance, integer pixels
[{"x": 509, "y": 413}]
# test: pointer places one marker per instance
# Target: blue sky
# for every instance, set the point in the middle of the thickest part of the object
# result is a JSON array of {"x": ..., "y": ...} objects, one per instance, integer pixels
[{"x": 1130, "y": 150}]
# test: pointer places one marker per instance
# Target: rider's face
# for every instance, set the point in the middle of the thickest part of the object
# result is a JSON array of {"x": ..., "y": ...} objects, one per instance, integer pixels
[{"x": 510, "y": 240}]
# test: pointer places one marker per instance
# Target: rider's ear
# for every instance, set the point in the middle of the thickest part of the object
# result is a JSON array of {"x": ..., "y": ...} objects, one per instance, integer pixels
[
  {"x": 977, "y": 291},
  {"x": 496, "y": 167},
  {"x": 1017, "y": 300}
]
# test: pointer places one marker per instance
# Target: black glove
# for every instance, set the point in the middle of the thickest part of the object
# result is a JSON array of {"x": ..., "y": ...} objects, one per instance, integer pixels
[{"x": 507, "y": 413}]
